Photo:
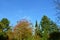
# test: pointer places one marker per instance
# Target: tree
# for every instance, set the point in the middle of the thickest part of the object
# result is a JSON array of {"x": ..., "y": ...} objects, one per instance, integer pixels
[
  {"x": 53, "y": 27},
  {"x": 45, "y": 24},
  {"x": 5, "y": 24},
  {"x": 3, "y": 36},
  {"x": 48, "y": 27},
  {"x": 54, "y": 36},
  {"x": 1, "y": 27},
  {"x": 36, "y": 28},
  {"x": 4, "y": 27},
  {"x": 37, "y": 31},
  {"x": 57, "y": 6},
  {"x": 23, "y": 30}
]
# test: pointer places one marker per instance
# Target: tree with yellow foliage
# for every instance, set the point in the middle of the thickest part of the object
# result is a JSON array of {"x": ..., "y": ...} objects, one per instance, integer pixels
[{"x": 23, "y": 30}]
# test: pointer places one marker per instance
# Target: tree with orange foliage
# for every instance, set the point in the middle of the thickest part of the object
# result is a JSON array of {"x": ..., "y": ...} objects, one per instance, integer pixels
[{"x": 23, "y": 30}]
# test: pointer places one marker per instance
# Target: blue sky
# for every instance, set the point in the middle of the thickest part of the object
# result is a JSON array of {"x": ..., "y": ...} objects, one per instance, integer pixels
[{"x": 33, "y": 10}]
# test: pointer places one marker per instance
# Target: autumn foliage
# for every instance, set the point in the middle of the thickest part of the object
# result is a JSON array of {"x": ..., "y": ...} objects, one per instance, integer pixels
[{"x": 23, "y": 29}]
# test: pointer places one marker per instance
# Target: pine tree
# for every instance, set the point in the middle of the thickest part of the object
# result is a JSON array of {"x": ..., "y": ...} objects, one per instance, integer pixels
[
  {"x": 37, "y": 31},
  {"x": 48, "y": 27},
  {"x": 45, "y": 24}
]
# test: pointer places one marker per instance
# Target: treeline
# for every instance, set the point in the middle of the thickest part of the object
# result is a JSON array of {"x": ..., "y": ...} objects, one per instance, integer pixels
[{"x": 25, "y": 30}]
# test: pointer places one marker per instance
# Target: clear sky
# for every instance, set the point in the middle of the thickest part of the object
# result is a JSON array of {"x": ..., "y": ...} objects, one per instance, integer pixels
[{"x": 33, "y": 10}]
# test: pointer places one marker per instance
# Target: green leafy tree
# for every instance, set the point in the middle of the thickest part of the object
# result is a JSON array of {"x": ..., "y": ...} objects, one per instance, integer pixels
[
  {"x": 5, "y": 22},
  {"x": 48, "y": 27},
  {"x": 45, "y": 24},
  {"x": 53, "y": 27},
  {"x": 4, "y": 27}
]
